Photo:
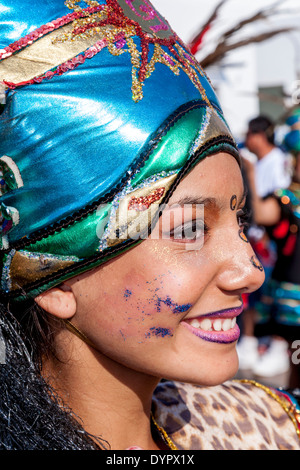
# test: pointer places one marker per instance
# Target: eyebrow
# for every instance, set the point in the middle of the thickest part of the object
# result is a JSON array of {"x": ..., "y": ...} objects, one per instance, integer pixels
[{"x": 210, "y": 202}]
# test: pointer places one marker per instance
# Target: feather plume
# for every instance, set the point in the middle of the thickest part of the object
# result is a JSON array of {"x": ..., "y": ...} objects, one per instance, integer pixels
[{"x": 227, "y": 41}]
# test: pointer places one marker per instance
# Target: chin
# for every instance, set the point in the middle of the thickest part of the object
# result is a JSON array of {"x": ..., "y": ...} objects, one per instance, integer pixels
[
  {"x": 224, "y": 371},
  {"x": 212, "y": 372}
]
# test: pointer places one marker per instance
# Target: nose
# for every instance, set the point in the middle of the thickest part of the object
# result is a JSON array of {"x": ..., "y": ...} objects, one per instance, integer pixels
[{"x": 240, "y": 270}]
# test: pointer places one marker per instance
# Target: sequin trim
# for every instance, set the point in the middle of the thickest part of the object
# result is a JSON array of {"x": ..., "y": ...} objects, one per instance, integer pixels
[
  {"x": 200, "y": 139},
  {"x": 164, "y": 434},
  {"x": 143, "y": 203},
  {"x": 119, "y": 197},
  {"x": 65, "y": 67},
  {"x": 6, "y": 282},
  {"x": 45, "y": 29},
  {"x": 6, "y": 279},
  {"x": 119, "y": 34}
]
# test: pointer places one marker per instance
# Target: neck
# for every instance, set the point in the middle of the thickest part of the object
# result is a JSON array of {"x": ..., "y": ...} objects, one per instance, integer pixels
[
  {"x": 112, "y": 401},
  {"x": 264, "y": 150}
]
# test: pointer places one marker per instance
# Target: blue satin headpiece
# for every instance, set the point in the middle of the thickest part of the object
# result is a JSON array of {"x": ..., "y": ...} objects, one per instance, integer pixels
[{"x": 106, "y": 110}]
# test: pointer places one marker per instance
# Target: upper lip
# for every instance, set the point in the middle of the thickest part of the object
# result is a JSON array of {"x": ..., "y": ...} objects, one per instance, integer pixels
[{"x": 230, "y": 312}]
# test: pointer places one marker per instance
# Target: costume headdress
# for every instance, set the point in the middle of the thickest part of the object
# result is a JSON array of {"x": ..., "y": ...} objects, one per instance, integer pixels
[
  {"x": 106, "y": 111},
  {"x": 292, "y": 139}
]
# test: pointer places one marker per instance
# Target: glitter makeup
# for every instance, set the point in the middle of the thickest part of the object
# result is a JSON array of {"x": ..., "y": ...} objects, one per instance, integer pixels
[
  {"x": 159, "y": 332},
  {"x": 254, "y": 261},
  {"x": 233, "y": 202},
  {"x": 127, "y": 293},
  {"x": 243, "y": 236},
  {"x": 176, "y": 308},
  {"x": 144, "y": 202}
]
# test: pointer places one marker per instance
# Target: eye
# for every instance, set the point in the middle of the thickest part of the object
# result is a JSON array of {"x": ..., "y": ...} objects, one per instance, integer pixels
[{"x": 189, "y": 232}]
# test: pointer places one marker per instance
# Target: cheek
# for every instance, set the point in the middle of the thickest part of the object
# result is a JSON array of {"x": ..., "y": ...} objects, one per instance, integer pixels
[{"x": 140, "y": 308}]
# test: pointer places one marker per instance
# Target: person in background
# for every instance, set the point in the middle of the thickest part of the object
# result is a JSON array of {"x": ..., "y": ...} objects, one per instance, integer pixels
[
  {"x": 278, "y": 310},
  {"x": 270, "y": 172}
]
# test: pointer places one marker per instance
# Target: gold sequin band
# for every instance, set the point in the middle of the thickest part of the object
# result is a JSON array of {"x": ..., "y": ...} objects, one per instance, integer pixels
[{"x": 164, "y": 435}]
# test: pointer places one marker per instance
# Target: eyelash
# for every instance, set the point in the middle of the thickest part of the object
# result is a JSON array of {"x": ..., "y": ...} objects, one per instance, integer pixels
[
  {"x": 243, "y": 218},
  {"x": 195, "y": 230}
]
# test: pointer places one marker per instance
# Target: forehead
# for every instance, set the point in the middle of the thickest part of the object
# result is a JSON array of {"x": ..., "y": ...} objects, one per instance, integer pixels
[{"x": 217, "y": 176}]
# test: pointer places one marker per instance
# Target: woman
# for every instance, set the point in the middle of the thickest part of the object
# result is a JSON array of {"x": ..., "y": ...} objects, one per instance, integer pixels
[
  {"x": 278, "y": 311},
  {"x": 111, "y": 277}
]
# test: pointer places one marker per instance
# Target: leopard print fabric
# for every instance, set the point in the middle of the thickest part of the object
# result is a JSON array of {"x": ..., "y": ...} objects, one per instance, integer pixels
[{"x": 232, "y": 416}]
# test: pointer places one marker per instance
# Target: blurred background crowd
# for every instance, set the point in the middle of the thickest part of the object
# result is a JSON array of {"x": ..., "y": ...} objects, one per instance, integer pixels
[{"x": 251, "y": 51}]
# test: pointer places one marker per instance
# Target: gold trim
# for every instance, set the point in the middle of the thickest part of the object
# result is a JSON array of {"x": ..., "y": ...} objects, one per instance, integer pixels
[
  {"x": 43, "y": 55},
  {"x": 73, "y": 329},
  {"x": 163, "y": 433},
  {"x": 26, "y": 267}
]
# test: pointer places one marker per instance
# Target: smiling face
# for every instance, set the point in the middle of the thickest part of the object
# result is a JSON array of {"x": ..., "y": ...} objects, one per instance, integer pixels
[{"x": 168, "y": 306}]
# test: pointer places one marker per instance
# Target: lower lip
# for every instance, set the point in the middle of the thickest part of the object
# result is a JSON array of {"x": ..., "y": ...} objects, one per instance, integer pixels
[{"x": 221, "y": 337}]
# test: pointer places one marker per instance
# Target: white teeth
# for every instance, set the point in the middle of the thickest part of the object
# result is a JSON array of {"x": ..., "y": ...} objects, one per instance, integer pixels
[
  {"x": 195, "y": 323},
  {"x": 206, "y": 324},
  {"x": 217, "y": 325},
  {"x": 214, "y": 325},
  {"x": 226, "y": 325}
]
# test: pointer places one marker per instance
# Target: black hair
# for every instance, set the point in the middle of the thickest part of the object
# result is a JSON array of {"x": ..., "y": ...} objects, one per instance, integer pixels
[
  {"x": 32, "y": 415},
  {"x": 263, "y": 124},
  {"x": 37, "y": 328}
]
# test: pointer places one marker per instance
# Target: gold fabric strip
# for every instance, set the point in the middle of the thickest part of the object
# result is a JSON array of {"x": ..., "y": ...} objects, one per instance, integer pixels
[
  {"x": 29, "y": 267},
  {"x": 43, "y": 55}
]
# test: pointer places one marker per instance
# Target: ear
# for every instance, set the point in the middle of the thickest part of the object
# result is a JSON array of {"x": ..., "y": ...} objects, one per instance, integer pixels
[{"x": 59, "y": 301}]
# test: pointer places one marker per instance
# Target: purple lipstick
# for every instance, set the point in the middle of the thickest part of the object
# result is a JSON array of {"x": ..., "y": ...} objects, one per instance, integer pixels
[{"x": 216, "y": 327}]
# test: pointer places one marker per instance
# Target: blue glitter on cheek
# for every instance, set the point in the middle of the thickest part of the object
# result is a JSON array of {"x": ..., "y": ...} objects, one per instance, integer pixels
[
  {"x": 176, "y": 308},
  {"x": 182, "y": 308},
  {"x": 162, "y": 332},
  {"x": 127, "y": 293},
  {"x": 123, "y": 336}
]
